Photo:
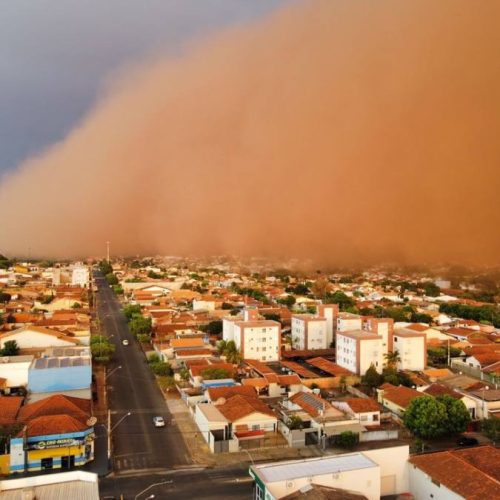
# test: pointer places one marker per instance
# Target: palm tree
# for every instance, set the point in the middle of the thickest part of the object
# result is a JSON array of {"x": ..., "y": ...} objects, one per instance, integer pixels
[
  {"x": 392, "y": 358},
  {"x": 221, "y": 346}
]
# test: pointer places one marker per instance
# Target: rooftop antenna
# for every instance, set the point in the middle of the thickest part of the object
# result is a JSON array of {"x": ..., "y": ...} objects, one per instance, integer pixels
[{"x": 107, "y": 250}]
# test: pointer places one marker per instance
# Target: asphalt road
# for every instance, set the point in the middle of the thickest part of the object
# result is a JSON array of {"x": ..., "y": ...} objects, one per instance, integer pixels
[
  {"x": 137, "y": 446},
  {"x": 208, "y": 484}
]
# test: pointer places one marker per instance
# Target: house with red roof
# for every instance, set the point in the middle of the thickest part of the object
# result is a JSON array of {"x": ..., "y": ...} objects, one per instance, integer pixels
[{"x": 52, "y": 433}]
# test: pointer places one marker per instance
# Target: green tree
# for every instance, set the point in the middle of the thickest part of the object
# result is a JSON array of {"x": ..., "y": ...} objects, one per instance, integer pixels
[
  {"x": 491, "y": 428},
  {"x": 132, "y": 310},
  {"x": 144, "y": 338},
  {"x": 229, "y": 349},
  {"x": 212, "y": 328},
  {"x": 154, "y": 358},
  {"x": 101, "y": 348},
  {"x": 347, "y": 439},
  {"x": 371, "y": 378},
  {"x": 184, "y": 373},
  {"x": 392, "y": 358},
  {"x": 162, "y": 369},
  {"x": 431, "y": 289},
  {"x": 457, "y": 415},
  {"x": 10, "y": 348},
  {"x": 425, "y": 417},
  {"x": 341, "y": 299},
  {"x": 301, "y": 289},
  {"x": 273, "y": 317},
  {"x": 215, "y": 374},
  {"x": 294, "y": 422},
  {"x": 287, "y": 301},
  {"x": 105, "y": 267},
  {"x": 390, "y": 375},
  {"x": 111, "y": 279},
  {"x": 140, "y": 325}
]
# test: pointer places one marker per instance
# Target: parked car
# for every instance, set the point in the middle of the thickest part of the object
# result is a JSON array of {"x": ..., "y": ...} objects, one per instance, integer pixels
[
  {"x": 467, "y": 441},
  {"x": 125, "y": 342},
  {"x": 158, "y": 422}
]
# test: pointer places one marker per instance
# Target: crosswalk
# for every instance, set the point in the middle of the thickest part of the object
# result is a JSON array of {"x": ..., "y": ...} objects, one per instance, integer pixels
[{"x": 136, "y": 461}]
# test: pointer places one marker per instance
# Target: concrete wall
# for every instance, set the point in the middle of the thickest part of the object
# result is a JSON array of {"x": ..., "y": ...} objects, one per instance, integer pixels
[
  {"x": 393, "y": 468},
  {"x": 15, "y": 373},
  {"x": 421, "y": 486}
]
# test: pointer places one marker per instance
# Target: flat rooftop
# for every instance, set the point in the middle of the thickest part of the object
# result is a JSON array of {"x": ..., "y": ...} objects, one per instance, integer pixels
[
  {"x": 44, "y": 363},
  {"x": 295, "y": 469}
]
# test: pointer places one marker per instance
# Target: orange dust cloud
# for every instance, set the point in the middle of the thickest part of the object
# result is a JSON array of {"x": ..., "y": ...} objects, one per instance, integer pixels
[{"x": 339, "y": 130}]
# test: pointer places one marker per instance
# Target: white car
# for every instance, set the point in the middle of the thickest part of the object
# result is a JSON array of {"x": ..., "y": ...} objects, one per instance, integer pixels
[
  {"x": 125, "y": 342},
  {"x": 158, "y": 422}
]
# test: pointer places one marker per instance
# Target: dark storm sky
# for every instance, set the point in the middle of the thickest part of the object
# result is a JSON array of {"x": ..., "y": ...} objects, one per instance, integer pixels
[{"x": 54, "y": 55}]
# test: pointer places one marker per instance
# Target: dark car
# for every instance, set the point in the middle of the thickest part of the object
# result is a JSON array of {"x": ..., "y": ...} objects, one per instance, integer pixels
[{"x": 467, "y": 441}]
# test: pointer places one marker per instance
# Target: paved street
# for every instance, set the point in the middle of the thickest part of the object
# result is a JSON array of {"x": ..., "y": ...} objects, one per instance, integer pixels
[
  {"x": 208, "y": 484},
  {"x": 137, "y": 444}
]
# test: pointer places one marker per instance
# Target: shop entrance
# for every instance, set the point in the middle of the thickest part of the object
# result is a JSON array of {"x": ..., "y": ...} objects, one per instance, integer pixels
[
  {"x": 46, "y": 463},
  {"x": 68, "y": 462}
]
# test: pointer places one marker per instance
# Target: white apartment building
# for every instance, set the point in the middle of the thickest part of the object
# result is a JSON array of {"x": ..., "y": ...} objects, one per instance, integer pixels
[
  {"x": 80, "y": 276},
  {"x": 259, "y": 339},
  {"x": 309, "y": 332},
  {"x": 357, "y": 350},
  {"x": 330, "y": 312},
  {"x": 347, "y": 322},
  {"x": 383, "y": 327},
  {"x": 412, "y": 349},
  {"x": 249, "y": 314}
]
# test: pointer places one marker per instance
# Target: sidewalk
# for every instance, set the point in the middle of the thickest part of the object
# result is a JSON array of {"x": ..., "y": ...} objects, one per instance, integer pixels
[{"x": 201, "y": 454}]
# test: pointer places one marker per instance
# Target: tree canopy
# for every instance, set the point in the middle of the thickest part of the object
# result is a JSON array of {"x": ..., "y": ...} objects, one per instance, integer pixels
[
  {"x": 428, "y": 418},
  {"x": 10, "y": 348}
]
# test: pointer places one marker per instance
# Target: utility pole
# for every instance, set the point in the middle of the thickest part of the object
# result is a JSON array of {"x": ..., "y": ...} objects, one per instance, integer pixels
[{"x": 107, "y": 250}]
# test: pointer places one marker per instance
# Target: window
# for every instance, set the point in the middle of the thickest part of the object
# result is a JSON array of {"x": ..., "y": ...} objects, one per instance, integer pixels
[{"x": 259, "y": 492}]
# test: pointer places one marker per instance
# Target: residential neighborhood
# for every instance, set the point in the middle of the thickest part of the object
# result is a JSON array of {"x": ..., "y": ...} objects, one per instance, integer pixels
[{"x": 282, "y": 370}]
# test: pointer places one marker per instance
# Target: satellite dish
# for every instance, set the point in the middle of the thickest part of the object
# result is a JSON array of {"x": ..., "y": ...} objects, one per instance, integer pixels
[{"x": 91, "y": 421}]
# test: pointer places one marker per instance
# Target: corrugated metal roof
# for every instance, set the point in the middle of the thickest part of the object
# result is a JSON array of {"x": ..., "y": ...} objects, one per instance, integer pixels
[
  {"x": 313, "y": 467},
  {"x": 74, "y": 490}
]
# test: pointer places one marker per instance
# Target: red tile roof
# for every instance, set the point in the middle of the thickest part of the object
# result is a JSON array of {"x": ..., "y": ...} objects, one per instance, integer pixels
[
  {"x": 215, "y": 393},
  {"x": 197, "y": 370},
  {"x": 299, "y": 369},
  {"x": 57, "y": 405},
  {"x": 238, "y": 407},
  {"x": 9, "y": 408},
  {"x": 401, "y": 396},
  {"x": 472, "y": 474},
  {"x": 328, "y": 366},
  {"x": 362, "y": 405},
  {"x": 53, "y": 424}
]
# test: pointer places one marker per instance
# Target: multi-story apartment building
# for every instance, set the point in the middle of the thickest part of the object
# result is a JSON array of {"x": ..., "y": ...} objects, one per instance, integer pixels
[
  {"x": 80, "y": 276},
  {"x": 347, "y": 322},
  {"x": 255, "y": 338},
  {"x": 357, "y": 350},
  {"x": 309, "y": 332},
  {"x": 330, "y": 312},
  {"x": 412, "y": 349},
  {"x": 259, "y": 339}
]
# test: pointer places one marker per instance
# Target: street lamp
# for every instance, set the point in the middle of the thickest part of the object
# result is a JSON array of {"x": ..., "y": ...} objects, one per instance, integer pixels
[
  {"x": 112, "y": 371},
  {"x": 149, "y": 487},
  {"x": 248, "y": 453},
  {"x": 111, "y": 429}
]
